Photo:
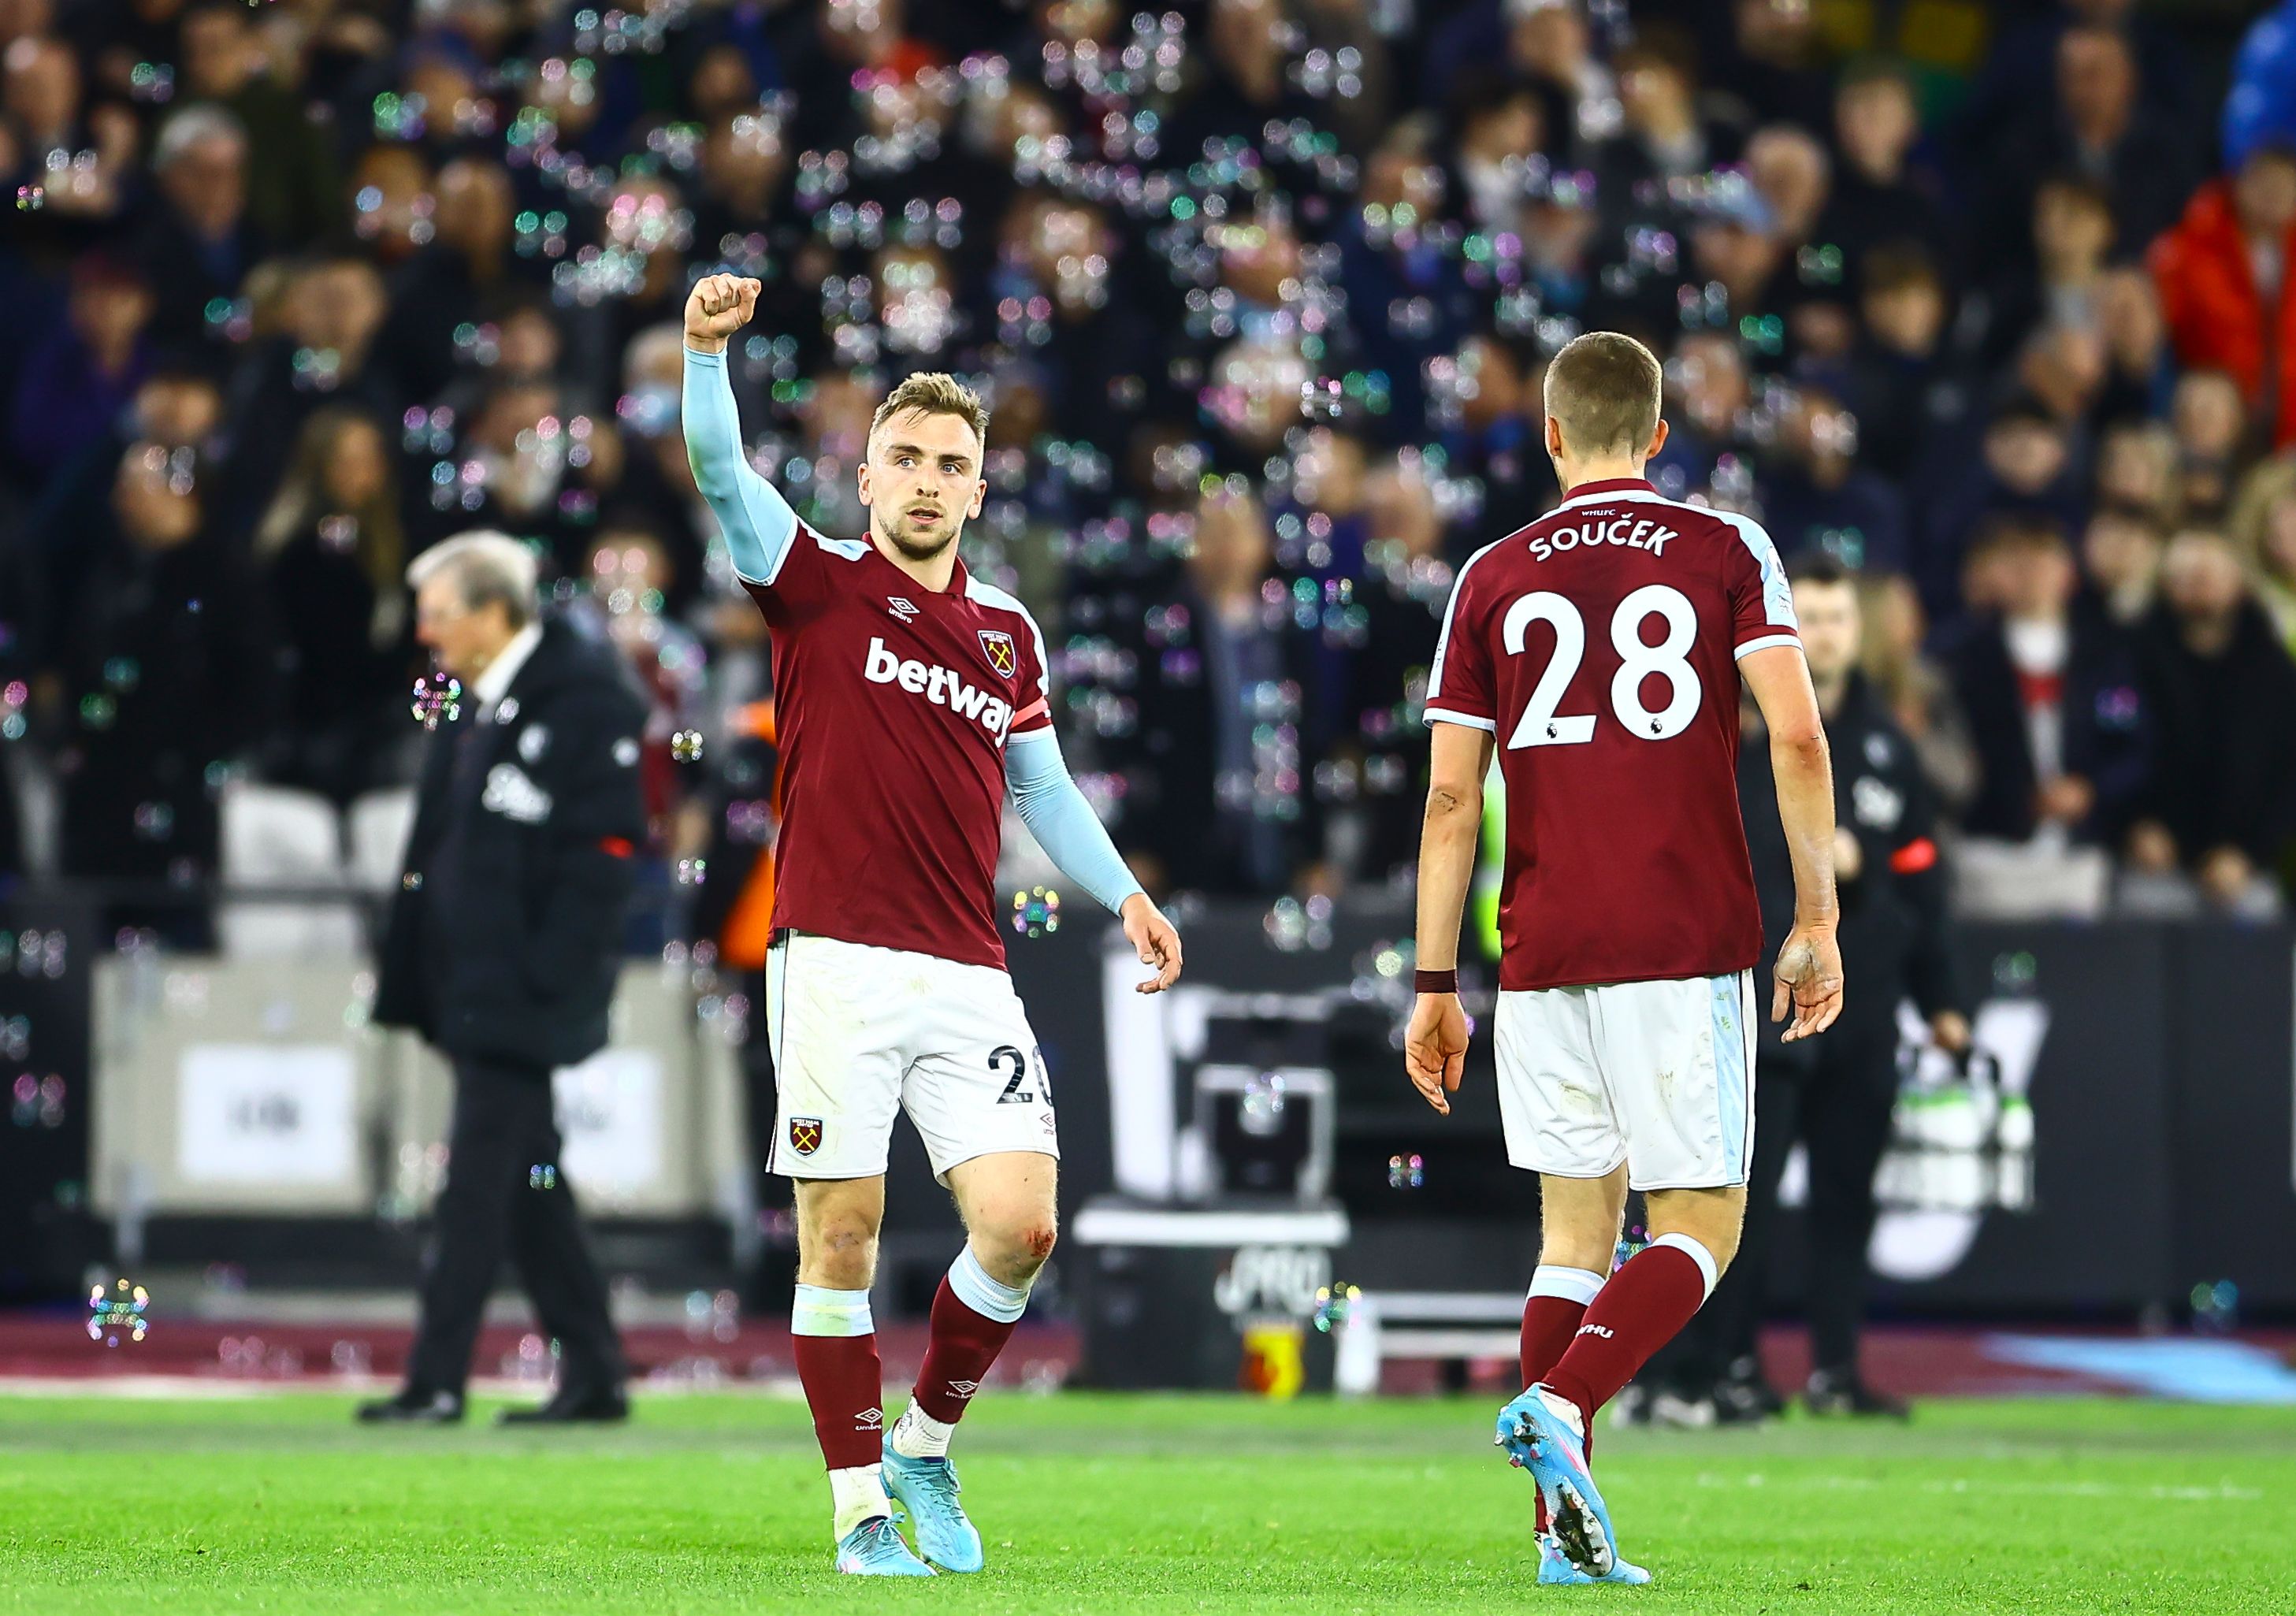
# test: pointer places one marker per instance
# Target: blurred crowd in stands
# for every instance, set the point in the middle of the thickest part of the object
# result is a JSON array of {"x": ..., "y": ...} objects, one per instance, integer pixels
[{"x": 1995, "y": 302}]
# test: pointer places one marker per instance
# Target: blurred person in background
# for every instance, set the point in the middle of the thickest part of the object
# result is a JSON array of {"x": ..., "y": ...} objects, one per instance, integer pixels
[
  {"x": 2210, "y": 429},
  {"x": 2095, "y": 126},
  {"x": 630, "y": 575},
  {"x": 1834, "y": 1095},
  {"x": 1912, "y": 392},
  {"x": 1709, "y": 399},
  {"x": 1916, "y": 688},
  {"x": 1775, "y": 63},
  {"x": 467, "y": 268},
  {"x": 1816, "y": 496},
  {"x": 2028, "y": 467},
  {"x": 2137, "y": 470},
  {"x": 199, "y": 244},
  {"x": 166, "y": 684},
  {"x": 293, "y": 191},
  {"x": 500, "y": 950},
  {"x": 2057, "y": 286},
  {"x": 2226, "y": 275},
  {"x": 331, "y": 549},
  {"x": 2057, "y": 712},
  {"x": 1879, "y": 197},
  {"x": 2220, "y": 802},
  {"x": 2263, "y": 531},
  {"x": 2120, "y": 556},
  {"x": 1218, "y": 766},
  {"x": 330, "y": 352},
  {"x": 75, "y": 384}
]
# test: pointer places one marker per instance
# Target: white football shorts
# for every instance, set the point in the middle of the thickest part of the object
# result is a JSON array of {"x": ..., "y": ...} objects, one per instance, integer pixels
[
  {"x": 1658, "y": 1075},
  {"x": 859, "y": 1033}
]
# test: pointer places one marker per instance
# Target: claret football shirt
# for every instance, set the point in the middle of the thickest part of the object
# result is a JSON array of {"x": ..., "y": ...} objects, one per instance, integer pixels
[
  {"x": 894, "y": 705},
  {"x": 1599, "y": 647}
]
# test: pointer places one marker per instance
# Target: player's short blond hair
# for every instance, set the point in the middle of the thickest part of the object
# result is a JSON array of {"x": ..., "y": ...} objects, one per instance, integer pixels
[
  {"x": 1602, "y": 389},
  {"x": 933, "y": 393}
]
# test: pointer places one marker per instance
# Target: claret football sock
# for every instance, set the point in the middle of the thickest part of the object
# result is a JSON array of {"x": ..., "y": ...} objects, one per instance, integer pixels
[
  {"x": 1641, "y": 1307},
  {"x": 972, "y": 1316},
  {"x": 835, "y": 1342},
  {"x": 1551, "y": 1315}
]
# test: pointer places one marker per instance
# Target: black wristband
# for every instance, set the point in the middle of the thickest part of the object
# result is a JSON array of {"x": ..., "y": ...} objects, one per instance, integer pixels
[{"x": 1435, "y": 982}]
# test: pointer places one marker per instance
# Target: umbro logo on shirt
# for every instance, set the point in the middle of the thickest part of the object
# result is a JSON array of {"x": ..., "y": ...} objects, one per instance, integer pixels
[{"x": 901, "y": 607}]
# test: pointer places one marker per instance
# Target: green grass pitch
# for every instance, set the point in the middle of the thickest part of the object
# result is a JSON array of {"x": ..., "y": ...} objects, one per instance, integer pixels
[{"x": 715, "y": 1503}]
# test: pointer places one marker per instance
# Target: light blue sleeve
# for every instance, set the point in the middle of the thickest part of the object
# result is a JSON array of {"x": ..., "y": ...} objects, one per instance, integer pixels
[
  {"x": 759, "y": 522},
  {"x": 1061, "y": 821}
]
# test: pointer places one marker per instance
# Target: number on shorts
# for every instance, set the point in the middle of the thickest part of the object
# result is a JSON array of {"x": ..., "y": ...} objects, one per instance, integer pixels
[
  {"x": 1542, "y": 725},
  {"x": 1013, "y": 1094}
]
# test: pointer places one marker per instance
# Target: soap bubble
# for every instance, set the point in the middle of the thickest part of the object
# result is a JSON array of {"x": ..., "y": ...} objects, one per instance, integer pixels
[
  {"x": 1037, "y": 912},
  {"x": 437, "y": 699},
  {"x": 1333, "y": 1305},
  {"x": 117, "y": 1312}
]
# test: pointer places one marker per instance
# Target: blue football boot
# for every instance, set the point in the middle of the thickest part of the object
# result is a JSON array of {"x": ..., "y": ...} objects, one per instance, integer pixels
[
  {"x": 1555, "y": 1570},
  {"x": 1541, "y": 1442},
  {"x": 875, "y": 1550},
  {"x": 928, "y": 1488}
]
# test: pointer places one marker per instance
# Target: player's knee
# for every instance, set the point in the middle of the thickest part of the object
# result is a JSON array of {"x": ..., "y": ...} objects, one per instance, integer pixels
[
  {"x": 840, "y": 1254},
  {"x": 1712, "y": 1218},
  {"x": 1019, "y": 1245}
]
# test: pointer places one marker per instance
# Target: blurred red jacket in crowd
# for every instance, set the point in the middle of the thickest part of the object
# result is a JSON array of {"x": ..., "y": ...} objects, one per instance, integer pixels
[{"x": 2215, "y": 312}]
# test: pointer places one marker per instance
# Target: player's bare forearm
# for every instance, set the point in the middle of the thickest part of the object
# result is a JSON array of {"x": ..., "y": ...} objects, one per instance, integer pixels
[
  {"x": 1808, "y": 975},
  {"x": 1458, "y": 756},
  {"x": 1435, "y": 1043},
  {"x": 1803, "y": 766},
  {"x": 1446, "y": 864}
]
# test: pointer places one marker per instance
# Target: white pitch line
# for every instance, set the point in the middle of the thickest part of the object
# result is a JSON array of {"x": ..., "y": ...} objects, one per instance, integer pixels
[{"x": 2065, "y": 1489}]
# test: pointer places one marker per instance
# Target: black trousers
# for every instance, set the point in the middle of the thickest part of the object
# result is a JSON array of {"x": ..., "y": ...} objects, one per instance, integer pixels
[
  {"x": 495, "y": 1204},
  {"x": 1840, "y": 1107}
]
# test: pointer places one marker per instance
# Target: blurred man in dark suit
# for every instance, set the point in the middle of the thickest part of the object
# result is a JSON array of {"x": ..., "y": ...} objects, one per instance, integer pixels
[{"x": 500, "y": 950}]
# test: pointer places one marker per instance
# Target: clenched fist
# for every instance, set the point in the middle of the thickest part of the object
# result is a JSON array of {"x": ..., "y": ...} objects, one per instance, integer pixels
[{"x": 719, "y": 306}]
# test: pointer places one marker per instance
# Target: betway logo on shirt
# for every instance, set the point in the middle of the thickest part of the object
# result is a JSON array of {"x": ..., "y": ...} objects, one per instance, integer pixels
[{"x": 942, "y": 686}]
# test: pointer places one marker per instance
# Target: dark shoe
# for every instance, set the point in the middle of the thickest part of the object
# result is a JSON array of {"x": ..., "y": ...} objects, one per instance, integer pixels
[
  {"x": 1842, "y": 1392},
  {"x": 411, "y": 1407},
  {"x": 571, "y": 1405},
  {"x": 1744, "y": 1398}
]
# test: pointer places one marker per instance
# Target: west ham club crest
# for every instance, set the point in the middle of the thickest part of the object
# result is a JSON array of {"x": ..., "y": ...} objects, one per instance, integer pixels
[{"x": 998, "y": 644}]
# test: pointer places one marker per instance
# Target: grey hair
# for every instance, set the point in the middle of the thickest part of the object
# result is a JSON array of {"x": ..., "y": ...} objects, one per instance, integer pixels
[
  {"x": 487, "y": 567},
  {"x": 192, "y": 126}
]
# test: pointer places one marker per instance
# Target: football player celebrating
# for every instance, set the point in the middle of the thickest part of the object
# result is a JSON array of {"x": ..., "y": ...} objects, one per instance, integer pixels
[{"x": 911, "y": 697}]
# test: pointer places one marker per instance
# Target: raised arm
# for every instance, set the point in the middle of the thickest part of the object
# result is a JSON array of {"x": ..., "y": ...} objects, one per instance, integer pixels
[
  {"x": 757, "y": 522},
  {"x": 1809, "y": 972},
  {"x": 1064, "y": 825}
]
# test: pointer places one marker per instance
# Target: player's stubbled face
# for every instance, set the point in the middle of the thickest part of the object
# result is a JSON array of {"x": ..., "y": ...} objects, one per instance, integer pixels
[{"x": 922, "y": 482}]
